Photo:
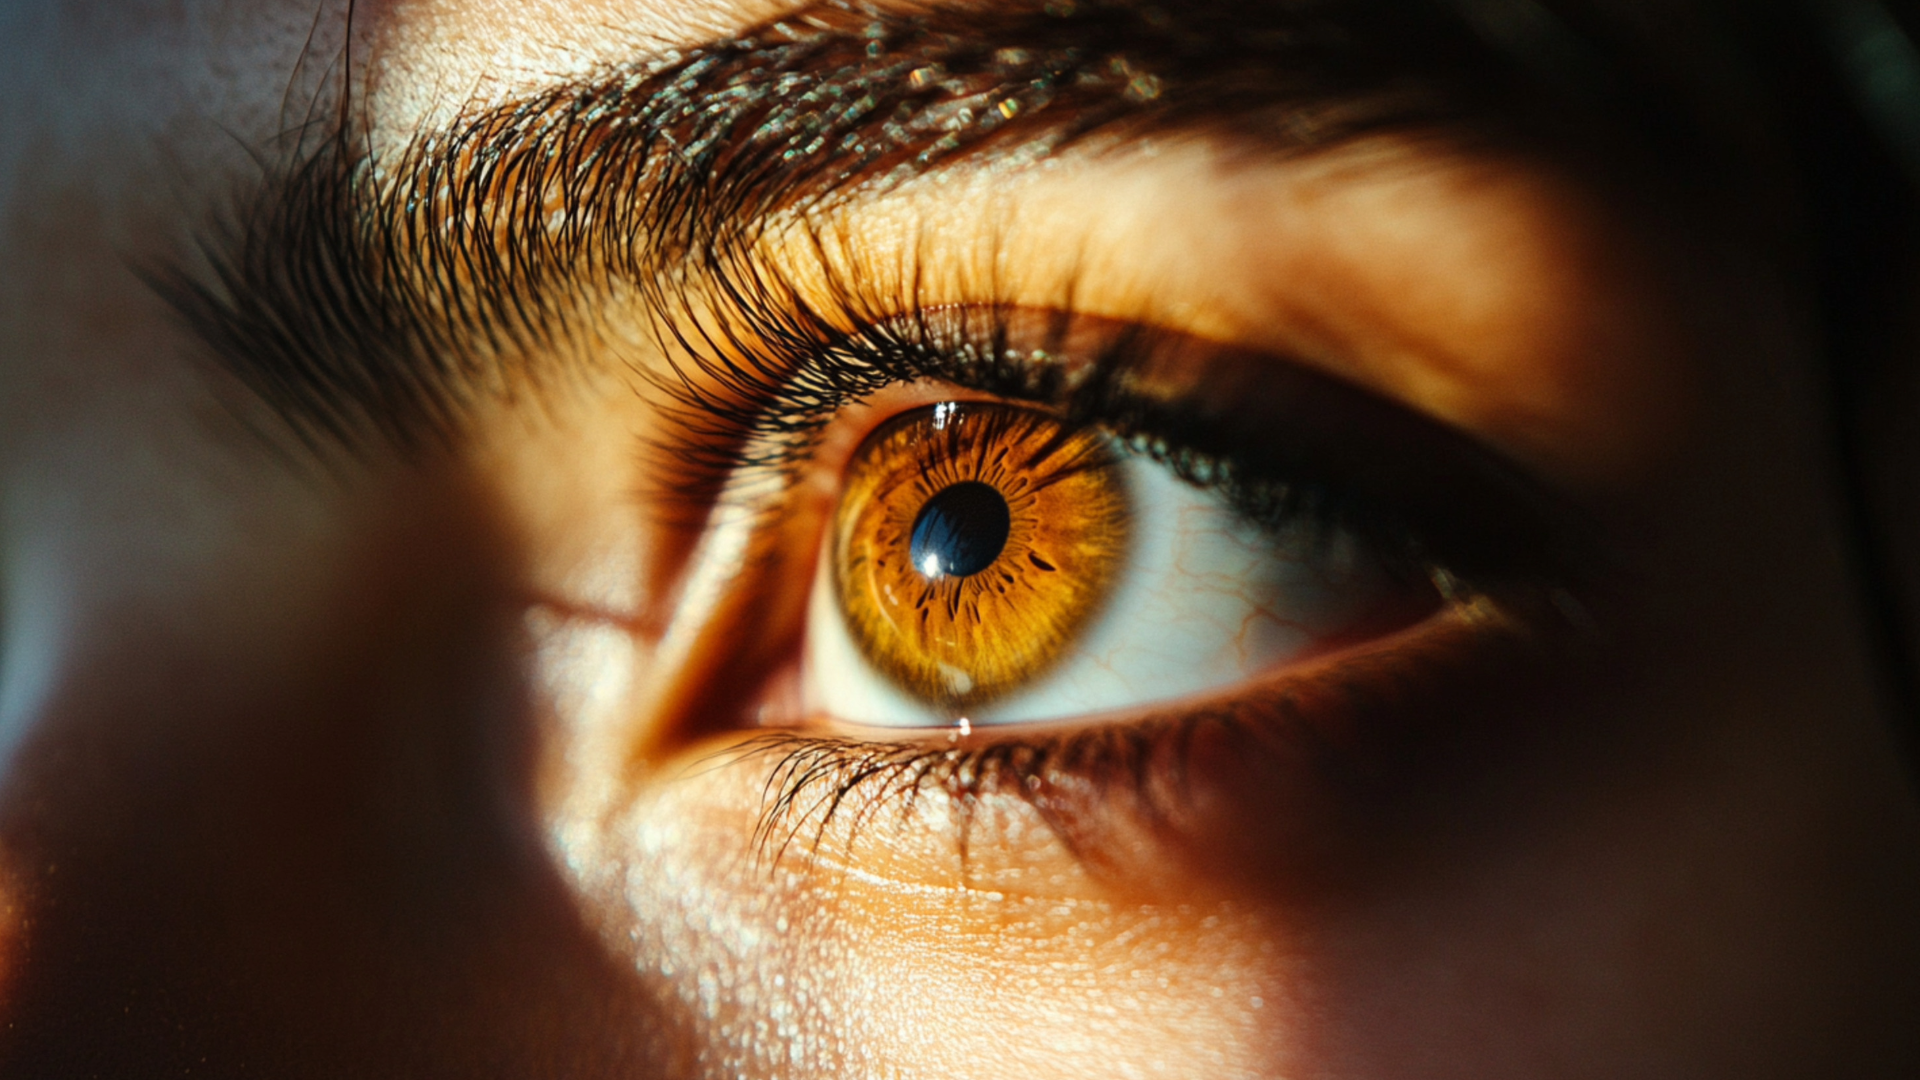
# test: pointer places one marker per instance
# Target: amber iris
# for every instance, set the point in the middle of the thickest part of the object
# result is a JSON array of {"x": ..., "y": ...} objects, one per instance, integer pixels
[{"x": 972, "y": 542}]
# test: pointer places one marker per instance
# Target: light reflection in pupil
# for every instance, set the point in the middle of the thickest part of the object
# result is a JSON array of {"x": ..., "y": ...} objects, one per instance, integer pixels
[{"x": 960, "y": 531}]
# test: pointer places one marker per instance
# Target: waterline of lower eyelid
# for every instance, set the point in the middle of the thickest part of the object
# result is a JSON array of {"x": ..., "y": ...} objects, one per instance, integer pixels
[{"x": 1450, "y": 632}]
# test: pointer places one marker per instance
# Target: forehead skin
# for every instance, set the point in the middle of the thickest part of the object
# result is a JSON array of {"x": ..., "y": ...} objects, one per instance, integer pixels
[{"x": 258, "y": 812}]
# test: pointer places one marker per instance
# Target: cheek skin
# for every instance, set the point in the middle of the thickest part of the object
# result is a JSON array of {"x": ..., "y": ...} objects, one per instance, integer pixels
[{"x": 871, "y": 953}]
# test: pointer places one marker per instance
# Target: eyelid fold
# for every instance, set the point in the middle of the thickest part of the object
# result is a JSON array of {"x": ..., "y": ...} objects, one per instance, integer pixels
[{"x": 1277, "y": 436}]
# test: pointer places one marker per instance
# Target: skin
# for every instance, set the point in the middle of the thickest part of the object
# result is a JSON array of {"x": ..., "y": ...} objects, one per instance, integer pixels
[{"x": 381, "y": 768}]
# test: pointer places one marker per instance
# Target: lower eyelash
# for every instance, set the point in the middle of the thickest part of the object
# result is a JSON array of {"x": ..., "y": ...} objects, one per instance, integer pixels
[
  {"x": 816, "y": 782},
  {"x": 1367, "y": 732}
]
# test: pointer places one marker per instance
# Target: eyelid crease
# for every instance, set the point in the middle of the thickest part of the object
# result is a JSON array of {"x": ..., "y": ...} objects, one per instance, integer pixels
[{"x": 1277, "y": 437}]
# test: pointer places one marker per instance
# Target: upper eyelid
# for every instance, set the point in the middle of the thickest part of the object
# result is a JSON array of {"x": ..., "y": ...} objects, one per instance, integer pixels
[
  {"x": 379, "y": 304},
  {"x": 1189, "y": 398}
]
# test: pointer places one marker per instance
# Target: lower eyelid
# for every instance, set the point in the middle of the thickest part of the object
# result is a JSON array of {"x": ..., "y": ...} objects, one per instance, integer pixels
[{"x": 1319, "y": 764}]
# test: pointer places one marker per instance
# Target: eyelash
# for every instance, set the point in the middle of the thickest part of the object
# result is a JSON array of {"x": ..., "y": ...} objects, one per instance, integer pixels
[
  {"x": 768, "y": 376},
  {"x": 815, "y": 780},
  {"x": 788, "y": 367}
]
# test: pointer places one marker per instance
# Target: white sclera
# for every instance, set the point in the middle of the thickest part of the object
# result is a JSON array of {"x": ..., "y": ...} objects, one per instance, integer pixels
[{"x": 1206, "y": 599}]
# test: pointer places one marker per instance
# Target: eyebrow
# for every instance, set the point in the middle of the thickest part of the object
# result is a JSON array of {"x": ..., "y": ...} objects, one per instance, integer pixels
[{"x": 374, "y": 300}]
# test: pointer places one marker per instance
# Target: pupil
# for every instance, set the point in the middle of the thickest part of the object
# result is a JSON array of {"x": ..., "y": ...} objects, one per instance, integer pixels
[{"x": 960, "y": 531}]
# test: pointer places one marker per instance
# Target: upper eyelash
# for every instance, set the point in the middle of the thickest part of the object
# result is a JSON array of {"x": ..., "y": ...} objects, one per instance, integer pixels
[
  {"x": 770, "y": 373},
  {"x": 765, "y": 374}
]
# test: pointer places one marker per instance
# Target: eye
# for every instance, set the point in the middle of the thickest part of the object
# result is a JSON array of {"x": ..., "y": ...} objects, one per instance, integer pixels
[
  {"x": 971, "y": 545},
  {"x": 1090, "y": 541},
  {"x": 994, "y": 562}
]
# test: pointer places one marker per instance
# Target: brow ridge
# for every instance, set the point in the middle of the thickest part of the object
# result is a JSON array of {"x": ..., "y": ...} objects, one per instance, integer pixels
[{"x": 373, "y": 302}]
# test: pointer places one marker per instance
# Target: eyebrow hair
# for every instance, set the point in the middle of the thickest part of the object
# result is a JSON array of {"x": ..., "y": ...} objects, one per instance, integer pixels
[{"x": 372, "y": 300}]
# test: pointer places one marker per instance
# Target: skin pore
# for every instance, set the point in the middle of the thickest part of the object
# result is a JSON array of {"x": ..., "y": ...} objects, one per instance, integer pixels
[{"x": 442, "y": 762}]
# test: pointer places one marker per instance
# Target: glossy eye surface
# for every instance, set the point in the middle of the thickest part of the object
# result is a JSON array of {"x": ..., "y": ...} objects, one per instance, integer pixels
[
  {"x": 989, "y": 561},
  {"x": 972, "y": 543}
]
